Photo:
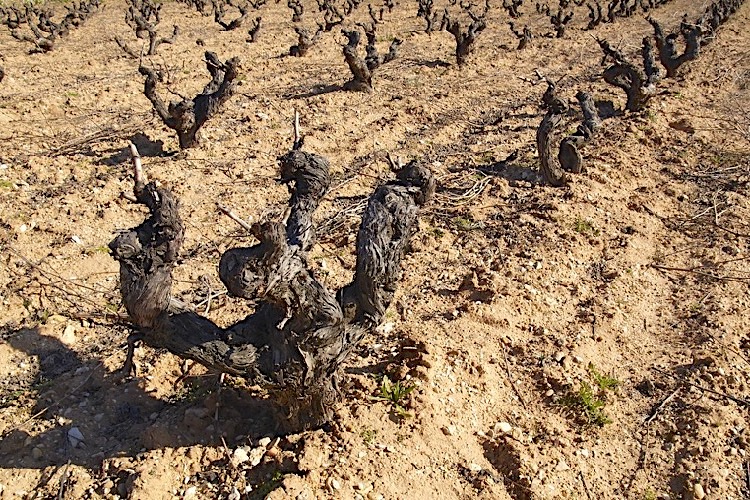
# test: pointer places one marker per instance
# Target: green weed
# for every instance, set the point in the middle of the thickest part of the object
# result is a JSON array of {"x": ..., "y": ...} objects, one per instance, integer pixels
[
  {"x": 603, "y": 382},
  {"x": 265, "y": 488},
  {"x": 585, "y": 227},
  {"x": 464, "y": 224},
  {"x": 100, "y": 249},
  {"x": 396, "y": 394},
  {"x": 368, "y": 436},
  {"x": 586, "y": 405}
]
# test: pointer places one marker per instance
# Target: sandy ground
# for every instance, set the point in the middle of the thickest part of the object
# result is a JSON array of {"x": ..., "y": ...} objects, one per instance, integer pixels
[{"x": 515, "y": 298}]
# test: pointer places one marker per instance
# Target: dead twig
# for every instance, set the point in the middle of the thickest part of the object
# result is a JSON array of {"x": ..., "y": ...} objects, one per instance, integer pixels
[
  {"x": 64, "y": 479},
  {"x": 297, "y": 136},
  {"x": 208, "y": 299},
  {"x": 229, "y": 455},
  {"x": 696, "y": 271},
  {"x": 510, "y": 379},
  {"x": 585, "y": 486},
  {"x": 135, "y": 156},
  {"x": 74, "y": 146},
  {"x": 661, "y": 406},
  {"x": 53, "y": 280},
  {"x": 236, "y": 218},
  {"x": 735, "y": 399}
]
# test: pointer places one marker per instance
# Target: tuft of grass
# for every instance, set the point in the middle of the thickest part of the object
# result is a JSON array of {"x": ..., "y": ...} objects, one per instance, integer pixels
[
  {"x": 11, "y": 398},
  {"x": 464, "y": 224},
  {"x": 368, "y": 436},
  {"x": 585, "y": 227},
  {"x": 395, "y": 393},
  {"x": 587, "y": 406},
  {"x": 603, "y": 382},
  {"x": 5, "y": 184},
  {"x": 189, "y": 393},
  {"x": 265, "y": 488},
  {"x": 94, "y": 250},
  {"x": 588, "y": 402}
]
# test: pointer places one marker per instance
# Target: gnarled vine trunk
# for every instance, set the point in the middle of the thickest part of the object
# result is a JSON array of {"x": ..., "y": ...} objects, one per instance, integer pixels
[
  {"x": 570, "y": 155},
  {"x": 186, "y": 117},
  {"x": 546, "y": 138},
  {"x": 639, "y": 84},
  {"x": 297, "y": 338}
]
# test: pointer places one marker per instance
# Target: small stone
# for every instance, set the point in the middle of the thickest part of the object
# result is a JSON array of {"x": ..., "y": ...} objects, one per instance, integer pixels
[
  {"x": 256, "y": 455},
  {"x": 475, "y": 467},
  {"x": 584, "y": 453},
  {"x": 264, "y": 442},
  {"x": 239, "y": 457},
  {"x": 562, "y": 465},
  {"x": 334, "y": 484},
  {"x": 364, "y": 488},
  {"x": 190, "y": 492},
  {"x": 75, "y": 437},
  {"x": 386, "y": 327},
  {"x": 503, "y": 427},
  {"x": 449, "y": 430},
  {"x": 698, "y": 491},
  {"x": 69, "y": 335},
  {"x": 36, "y": 453},
  {"x": 559, "y": 356}
]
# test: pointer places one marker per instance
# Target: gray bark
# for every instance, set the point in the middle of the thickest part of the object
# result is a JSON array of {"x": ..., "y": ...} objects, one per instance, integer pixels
[{"x": 301, "y": 333}]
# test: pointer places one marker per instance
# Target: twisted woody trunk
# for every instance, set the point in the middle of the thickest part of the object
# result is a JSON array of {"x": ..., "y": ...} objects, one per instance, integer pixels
[{"x": 301, "y": 332}]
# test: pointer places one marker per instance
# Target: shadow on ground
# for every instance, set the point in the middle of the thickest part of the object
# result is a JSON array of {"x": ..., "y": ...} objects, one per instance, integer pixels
[{"x": 115, "y": 416}]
